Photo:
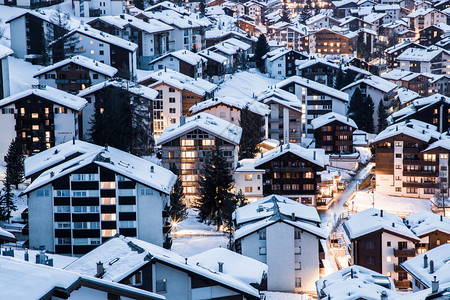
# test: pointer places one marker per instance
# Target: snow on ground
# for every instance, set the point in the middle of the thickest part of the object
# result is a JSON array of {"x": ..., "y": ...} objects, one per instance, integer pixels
[
  {"x": 21, "y": 75},
  {"x": 192, "y": 237},
  {"x": 397, "y": 205},
  {"x": 364, "y": 154},
  {"x": 6, "y": 13},
  {"x": 285, "y": 296},
  {"x": 245, "y": 84}
]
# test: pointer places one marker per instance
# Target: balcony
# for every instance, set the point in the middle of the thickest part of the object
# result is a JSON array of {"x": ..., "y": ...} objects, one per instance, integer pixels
[
  {"x": 420, "y": 185},
  {"x": 402, "y": 284},
  {"x": 405, "y": 253},
  {"x": 397, "y": 268}
]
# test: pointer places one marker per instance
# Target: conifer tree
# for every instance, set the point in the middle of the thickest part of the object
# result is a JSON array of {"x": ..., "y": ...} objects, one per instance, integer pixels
[
  {"x": 14, "y": 160},
  {"x": 339, "y": 81},
  {"x": 215, "y": 183},
  {"x": 139, "y": 4},
  {"x": 262, "y": 47},
  {"x": 251, "y": 124},
  {"x": 229, "y": 207},
  {"x": 348, "y": 78},
  {"x": 382, "y": 117},
  {"x": 202, "y": 7},
  {"x": 177, "y": 210},
  {"x": 285, "y": 14},
  {"x": 7, "y": 205},
  {"x": 360, "y": 110}
]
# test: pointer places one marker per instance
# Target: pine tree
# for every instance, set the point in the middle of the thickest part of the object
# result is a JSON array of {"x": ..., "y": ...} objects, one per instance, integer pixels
[
  {"x": 14, "y": 160},
  {"x": 382, "y": 117},
  {"x": 262, "y": 47},
  {"x": 243, "y": 61},
  {"x": 215, "y": 182},
  {"x": 7, "y": 205},
  {"x": 229, "y": 207},
  {"x": 339, "y": 81},
  {"x": 177, "y": 210},
  {"x": 348, "y": 78},
  {"x": 139, "y": 4},
  {"x": 355, "y": 108},
  {"x": 369, "y": 110},
  {"x": 362, "y": 48},
  {"x": 251, "y": 124},
  {"x": 202, "y": 7},
  {"x": 285, "y": 14}
]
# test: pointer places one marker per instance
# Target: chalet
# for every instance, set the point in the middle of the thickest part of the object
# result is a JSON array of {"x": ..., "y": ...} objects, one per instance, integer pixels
[
  {"x": 433, "y": 34},
  {"x": 316, "y": 99},
  {"x": 96, "y": 8},
  {"x": 320, "y": 21},
  {"x": 380, "y": 241},
  {"x": 177, "y": 93},
  {"x": 280, "y": 63},
  {"x": 317, "y": 69},
  {"x": 77, "y": 205},
  {"x": 334, "y": 133},
  {"x": 289, "y": 35},
  {"x": 407, "y": 36},
  {"x": 183, "y": 61},
  {"x": 189, "y": 142},
  {"x": 248, "y": 180},
  {"x": 40, "y": 118},
  {"x": 354, "y": 23},
  {"x": 4, "y": 71},
  {"x": 215, "y": 36},
  {"x": 396, "y": 50},
  {"x": 403, "y": 168},
  {"x": 97, "y": 95},
  {"x": 216, "y": 65},
  {"x": 75, "y": 74},
  {"x": 284, "y": 234},
  {"x": 342, "y": 7},
  {"x": 233, "y": 49},
  {"x": 291, "y": 171},
  {"x": 151, "y": 268},
  {"x": 151, "y": 35},
  {"x": 329, "y": 42},
  {"x": 425, "y": 17}
]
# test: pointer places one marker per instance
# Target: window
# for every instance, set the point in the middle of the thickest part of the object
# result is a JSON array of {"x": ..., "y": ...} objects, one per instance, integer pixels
[
  {"x": 161, "y": 286},
  {"x": 102, "y": 52},
  {"x": 42, "y": 193},
  {"x": 63, "y": 209},
  {"x": 298, "y": 250},
  {"x": 370, "y": 245},
  {"x": 80, "y": 225},
  {"x": 388, "y": 244},
  {"x": 262, "y": 250},
  {"x": 171, "y": 100},
  {"x": 109, "y": 232},
  {"x": 248, "y": 189},
  {"x": 94, "y": 76},
  {"x": 126, "y": 208},
  {"x": 126, "y": 224},
  {"x": 108, "y": 217},
  {"x": 171, "y": 90},
  {"x": 94, "y": 225},
  {"x": 370, "y": 260},
  {"x": 262, "y": 235},
  {"x": 297, "y": 234},
  {"x": 63, "y": 241},
  {"x": 308, "y": 187},
  {"x": 298, "y": 266},
  {"x": 248, "y": 177},
  {"x": 108, "y": 185},
  {"x": 308, "y": 175},
  {"x": 84, "y": 177},
  {"x": 61, "y": 225},
  {"x": 108, "y": 201},
  {"x": 207, "y": 142},
  {"x": 388, "y": 259},
  {"x": 398, "y": 155},
  {"x": 146, "y": 192},
  {"x": 172, "y": 110},
  {"x": 298, "y": 282},
  {"x": 126, "y": 192}
]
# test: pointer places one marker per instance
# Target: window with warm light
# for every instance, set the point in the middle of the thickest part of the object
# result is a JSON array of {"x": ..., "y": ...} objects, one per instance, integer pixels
[
  {"x": 187, "y": 142},
  {"x": 108, "y": 200},
  {"x": 109, "y": 232},
  {"x": 108, "y": 217},
  {"x": 248, "y": 177},
  {"x": 208, "y": 142},
  {"x": 388, "y": 259},
  {"x": 108, "y": 185}
]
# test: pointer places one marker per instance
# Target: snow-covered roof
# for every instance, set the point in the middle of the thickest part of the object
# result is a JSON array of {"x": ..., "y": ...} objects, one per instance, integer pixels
[
  {"x": 421, "y": 12},
  {"x": 56, "y": 155},
  {"x": 167, "y": 5},
  {"x": 331, "y": 117},
  {"x": 275, "y": 208},
  {"x": 83, "y": 61},
  {"x": 49, "y": 93},
  {"x": 355, "y": 282},
  {"x": 5, "y": 51},
  {"x": 130, "y": 254},
  {"x": 441, "y": 259},
  {"x": 102, "y": 36},
  {"x": 254, "y": 106},
  {"x": 356, "y": 70},
  {"x": 319, "y": 17},
  {"x": 184, "y": 55},
  {"x": 375, "y": 82},
  {"x": 425, "y": 55},
  {"x": 206, "y": 122},
  {"x": 213, "y": 56},
  {"x": 418, "y": 105},
  {"x": 442, "y": 26},
  {"x": 123, "y": 163},
  {"x": 344, "y": 2},
  {"x": 25, "y": 280},
  {"x": 424, "y": 222},
  {"x": 131, "y": 87},
  {"x": 395, "y": 74},
  {"x": 180, "y": 81},
  {"x": 371, "y": 220},
  {"x": 275, "y": 54},
  {"x": 413, "y": 128},
  {"x": 373, "y": 17},
  {"x": 310, "y": 84},
  {"x": 405, "y": 95},
  {"x": 236, "y": 265},
  {"x": 247, "y": 165},
  {"x": 174, "y": 18},
  {"x": 400, "y": 46},
  {"x": 124, "y": 20},
  {"x": 302, "y": 64},
  {"x": 443, "y": 143},
  {"x": 315, "y": 156},
  {"x": 49, "y": 15},
  {"x": 6, "y": 236}
]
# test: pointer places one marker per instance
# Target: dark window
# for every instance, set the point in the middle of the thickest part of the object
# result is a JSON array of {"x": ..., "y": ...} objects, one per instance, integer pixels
[
  {"x": 370, "y": 245},
  {"x": 370, "y": 260},
  {"x": 95, "y": 76}
]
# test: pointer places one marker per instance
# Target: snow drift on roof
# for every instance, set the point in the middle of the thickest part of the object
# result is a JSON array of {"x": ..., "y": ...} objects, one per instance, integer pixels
[
  {"x": 254, "y": 106},
  {"x": 132, "y": 87},
  {"x": 331, "y": 117}
]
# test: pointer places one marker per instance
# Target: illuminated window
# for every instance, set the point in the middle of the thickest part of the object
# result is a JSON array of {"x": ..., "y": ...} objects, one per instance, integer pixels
[
  {"x": 248, "y": 189},
  {"x": 189, "y": 154},
  {"x": 109, "y": 232},
  {"x": 248, "y": 177},
  {"x": 308, "y": 175},
  {"x": 388, "y": 259},
  {"x": 102, "y": 110},
  {"x": 81, "y": 38},
  {"x": 92, "y": 42},
  {"x": 208, "y": 142},
  {"x": 109, "y": 201},
  {"x": 187, "y": 142},
  {"x": 35, "y": 127},
  {"x": 187, "y": 166},
  {"x": 35, "y": 139},
  {"x": 444, "y": 156},
  {"x": 92, "y": 51},
  {"x": 35, "y": 115},
  {"x": 108, "y": 217},
  {"x": 108, "y": 185}
]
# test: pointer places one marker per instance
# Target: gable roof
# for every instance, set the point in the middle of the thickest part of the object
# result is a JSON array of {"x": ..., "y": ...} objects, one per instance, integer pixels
[
  {"x": 134, "y": 254},
  {"x": 131, "y": 87},
  {"x": 279, "y": 52},
  {"x": 315, "y": 156},
  {"x": 176, "y": 19},
  {"x": 254, "y": 106},
  {"x": 400, "y": 46},
  {"x": 425, "y": 222},
  {"x": 206, "y": 122},
  {"x": 419, "y": 104},
  {"x": 425, "y": 55},
  {"x": 5, "y": 51},
  {"x": 187, "y": 56},
  {"x": 375, "y": 82},
  {"x": 54, "y": 95},
  {"x": 122, "y": 21},
  {"x": 123, "y": 163},
  {"x": 331, "y": 117},
  {"x": 83, "y": 61},
  {"x": 412, "y": 128}
]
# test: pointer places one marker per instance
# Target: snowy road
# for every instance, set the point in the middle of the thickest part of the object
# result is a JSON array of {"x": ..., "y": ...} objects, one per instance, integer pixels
[{"x": 337, "y": 207}]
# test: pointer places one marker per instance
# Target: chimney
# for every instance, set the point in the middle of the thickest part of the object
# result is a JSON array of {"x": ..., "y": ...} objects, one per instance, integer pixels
[
  {"x": 393, "y": 224},
  {"x": 351, "y": 273},
  {"x": 152, "y": 169},
  {"x": 425, "y": 261},
  {"x": 73, "y": 140},
  {"x": 442, "y": 218},
  {"x": 381, "y": 213},
  {"x": 220, "y": 267},
  {"x": 40, "y": 257},
  {"x": 100, "y": 270},
  {"x": 122, "y": 17},
  {"x": 106, "y": 147},
  {"x": 26, "y": 256},
  {"x": 262, "y": 155},
  {"x": 434, "y": 285},
  {"x": 182, "y": 120},
  {"x": 281, "y": 148},
  {"x": 314, "y": 155},
  {"x": 293, "y": 216},
  {"x": 431, "y": 267},
  {"x": 52, "y": 174},
  {"x": 384, "y": 295},
  {"x": 165, "y": 69},
  {"x": 185, "y": 260}
]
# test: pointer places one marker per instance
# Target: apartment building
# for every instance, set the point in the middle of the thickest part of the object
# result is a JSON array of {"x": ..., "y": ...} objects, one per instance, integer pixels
[
  {"x": 177, "y": 93},
  {"x": 409, "y": 160},
  {"x": 248, "y": 180},
  {"x": 396, "y": 50},
  {"x": 316, "y": 100},
  {"x": 40, "y": 118},
  {"x": 289, "y": 35},
  {"x": 286, "y": 236},
  {"x": 424, "y": 17},
  {"x": 96, "y": 8},
  {"x": 75, "y": 206},
  {"x": 334, "y": 133},
  {"x": 74, "y": 74},
  {"x": 184, "y": 61},
  {"x": 280, "y": 63},
  {"x": 430, "y": 60},
  {"x": 5, "y": 52},
  {"x": 329, "y": 42},
  {"x": 380, "y": 241},
  {"x": 317, "y": 69},
  {"x": 188, "y": 144},
  {"x": 292, "y": 171}
]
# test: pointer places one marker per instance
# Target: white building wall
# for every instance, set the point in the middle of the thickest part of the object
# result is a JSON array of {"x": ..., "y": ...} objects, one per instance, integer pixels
[
  {"x": 92, "y": 47},
  {"x": 168, "y": 62},
  {"x": 277, "y": 67},
  {"x": 40, "y": 214},
  {"x": 5, "y": 76},
  {"x": 7, "y": 132},
  {"x": 149, "y": 215},
  {"x": 255, "y": 184},
  {"x": 65, "y": 126},
  {"x": 280, "y": 257},
  {"x": 19, "y": 38},
  {"x": 227, "y": 113},
  {"x": 309, "y": 259},
  {"x": 178, "y": 283},
  {"x": 251, "y": 245},
  {"x": 387, "y": 254}
]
